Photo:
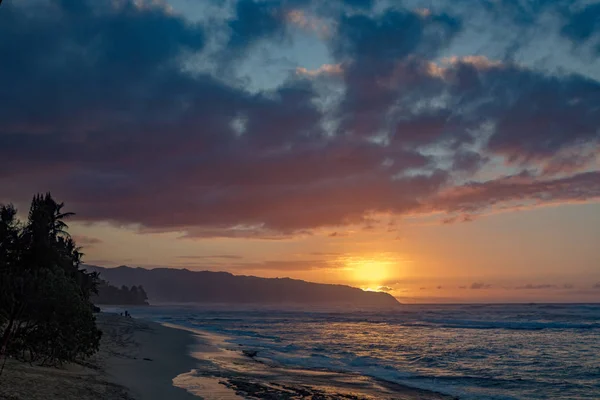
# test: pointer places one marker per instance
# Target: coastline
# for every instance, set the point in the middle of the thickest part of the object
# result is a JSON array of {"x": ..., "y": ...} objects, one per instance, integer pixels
[
  {"x": 137, "y": 360},
  {"x": 144, "y": 360}
]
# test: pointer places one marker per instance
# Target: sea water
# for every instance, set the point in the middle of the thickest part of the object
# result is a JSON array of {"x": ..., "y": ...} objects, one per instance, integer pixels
[{"x": 534, "y": 351}]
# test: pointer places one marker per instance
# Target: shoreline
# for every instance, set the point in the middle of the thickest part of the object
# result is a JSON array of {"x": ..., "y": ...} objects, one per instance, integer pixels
[
  {"x": 223, "y": 372},
  {"x": 144, "y": 360}
]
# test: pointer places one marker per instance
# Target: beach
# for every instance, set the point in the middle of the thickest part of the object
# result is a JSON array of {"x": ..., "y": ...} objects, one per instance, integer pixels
[
  {"x": 464, "y": 351},
  {"x": 137, "y": 360}
]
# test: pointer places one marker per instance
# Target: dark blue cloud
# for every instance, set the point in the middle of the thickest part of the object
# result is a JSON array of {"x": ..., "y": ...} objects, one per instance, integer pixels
[
  {"x": 523, "y": 12},
  {"x": 359, "y": 4},
  {"x": 393, "y": 35},
  {"x": 255, "y": 20},
  {"x": 535, "y": 114},
  {"x": 102, "y": 50},
  {"x": 372, "y": 47},
  {"x": 258, "y": 20},
  {"x": 75, "y": 7},
  {"x": 580, "y": 21},
  {"x": 584, "y": 25}
]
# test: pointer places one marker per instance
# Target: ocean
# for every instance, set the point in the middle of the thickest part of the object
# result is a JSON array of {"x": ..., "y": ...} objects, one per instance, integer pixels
[{"x": 535, "y": 351}]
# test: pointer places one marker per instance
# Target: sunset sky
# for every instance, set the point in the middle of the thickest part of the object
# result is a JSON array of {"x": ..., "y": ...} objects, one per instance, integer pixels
[{"x": 442, "y": 151}]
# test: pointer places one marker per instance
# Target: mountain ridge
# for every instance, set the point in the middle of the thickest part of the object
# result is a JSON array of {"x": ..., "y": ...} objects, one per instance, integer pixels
[{"x": 186, "y": 286}]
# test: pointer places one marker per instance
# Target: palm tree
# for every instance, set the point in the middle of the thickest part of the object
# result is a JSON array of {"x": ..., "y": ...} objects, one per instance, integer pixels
[
  {"x": 58, "y": 226},
  {"x": 47, "y": 215}
]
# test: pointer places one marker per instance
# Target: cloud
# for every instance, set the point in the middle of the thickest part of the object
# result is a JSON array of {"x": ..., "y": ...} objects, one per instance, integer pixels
[
  {"x": 480, "y": 285},
  {"x": 530, "y": 286},
  {"x": 255, "y": 21},
  {"x": 583, "y": 25},
  {"x": 384, "y": 289},
  {"x": 122, "y": 132},
  {"x": 371, "y": 48},
  {"x": 392, "y": 35},
  {"x": 468, "y": 161},
  {"x": 523, "y": 132},
  {"x": 287, "y": 266},
  {"x": 577, "y": 20},
  {"x": 360, "y": 4},
  {"x": 458, "y": 218},
  {"x": 518, "y": 190},
  {"x": 86, "y": 241},
  {"x": 220, "y": 256},
  {"x": 233, "y": 265},
  {"x": 309, "y": 22},
  {"x": 339, "y": 234},
  {"x": 480, "y": 63},
  {"x": 325, "y": 69},
  {"x": 596, "y": 286}
]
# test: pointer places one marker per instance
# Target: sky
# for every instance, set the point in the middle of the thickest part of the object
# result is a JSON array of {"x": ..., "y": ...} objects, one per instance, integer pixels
[{"x": 440, "y": 151}]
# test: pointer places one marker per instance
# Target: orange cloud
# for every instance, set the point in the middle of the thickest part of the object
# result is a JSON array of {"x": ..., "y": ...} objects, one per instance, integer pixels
[
  {"x": 308, "y": 22},
  {"x": 479, "y": 62},
  {"x": 325, "y": 69}
]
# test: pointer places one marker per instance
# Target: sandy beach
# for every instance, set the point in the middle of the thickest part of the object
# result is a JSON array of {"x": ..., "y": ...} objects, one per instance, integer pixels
[{"x": 137, "y": 360}]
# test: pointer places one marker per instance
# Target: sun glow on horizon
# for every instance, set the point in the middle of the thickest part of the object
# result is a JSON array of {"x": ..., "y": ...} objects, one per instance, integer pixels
[
  {"x": 372, "y": 272},
  {"x": 377, "y": 289}
]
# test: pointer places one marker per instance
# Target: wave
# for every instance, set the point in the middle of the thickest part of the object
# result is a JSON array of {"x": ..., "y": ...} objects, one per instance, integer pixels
[
  {"x": 446, "y": 349},
  {"x": 510, "y": 325}
]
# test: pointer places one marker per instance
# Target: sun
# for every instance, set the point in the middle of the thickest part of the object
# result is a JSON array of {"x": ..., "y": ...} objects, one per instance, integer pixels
[{"x": 372, "y": 271}]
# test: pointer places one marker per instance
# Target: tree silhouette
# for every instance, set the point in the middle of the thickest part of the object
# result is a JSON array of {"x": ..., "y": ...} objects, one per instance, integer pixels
[
  {"x": 45, "y": 308},
  {"x": 111, "y": 295}
]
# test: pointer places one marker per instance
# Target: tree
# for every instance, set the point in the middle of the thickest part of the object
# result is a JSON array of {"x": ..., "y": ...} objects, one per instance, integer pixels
[
  {"x": 111, "y": 295},
  {"x": 45, "y": 308},
  {"x": 10, "y": 281}
]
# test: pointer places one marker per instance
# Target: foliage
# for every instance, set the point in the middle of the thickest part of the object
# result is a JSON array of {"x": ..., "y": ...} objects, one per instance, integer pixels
[
  {"x": 108, "y": 294},
  {"x": 45, "y": 308}
]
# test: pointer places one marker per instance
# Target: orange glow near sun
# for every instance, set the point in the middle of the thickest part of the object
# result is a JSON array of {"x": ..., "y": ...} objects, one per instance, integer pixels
[{"x": 370, "y": 271}]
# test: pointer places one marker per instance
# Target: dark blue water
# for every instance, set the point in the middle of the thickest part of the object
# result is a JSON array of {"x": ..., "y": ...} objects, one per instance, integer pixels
[{"x": 471, "y": 351}]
